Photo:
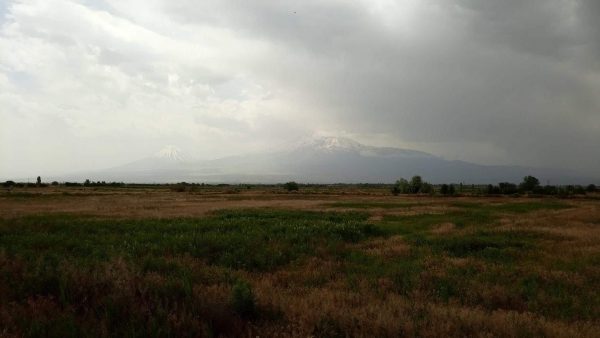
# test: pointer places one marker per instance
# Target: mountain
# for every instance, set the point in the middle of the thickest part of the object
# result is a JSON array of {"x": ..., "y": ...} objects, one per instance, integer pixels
[
  {"x": 322, "y": 160},
  {"x": 168, "y": 158}
]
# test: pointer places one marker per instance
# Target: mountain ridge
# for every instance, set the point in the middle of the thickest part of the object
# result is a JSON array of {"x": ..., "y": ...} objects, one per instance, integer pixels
[{"x": 321, "y": 160}]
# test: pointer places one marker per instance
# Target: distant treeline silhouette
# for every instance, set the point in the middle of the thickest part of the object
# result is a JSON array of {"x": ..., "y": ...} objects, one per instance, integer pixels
[{"x": 529, "y": 185}]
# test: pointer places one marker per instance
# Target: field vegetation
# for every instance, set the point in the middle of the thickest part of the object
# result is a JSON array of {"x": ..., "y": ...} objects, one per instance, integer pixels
[{"x": 323, "y": 261}]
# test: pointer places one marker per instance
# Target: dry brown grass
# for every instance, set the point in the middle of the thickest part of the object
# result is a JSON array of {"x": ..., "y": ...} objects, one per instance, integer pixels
[
  {"x": 443, "y": 228},
  {"x": 390, "y": 247}
]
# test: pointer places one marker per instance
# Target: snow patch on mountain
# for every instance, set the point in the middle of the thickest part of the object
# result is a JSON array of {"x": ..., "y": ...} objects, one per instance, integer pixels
[
  {"x": 332, "y": 145},
  {"x": 171, "y": 153}
]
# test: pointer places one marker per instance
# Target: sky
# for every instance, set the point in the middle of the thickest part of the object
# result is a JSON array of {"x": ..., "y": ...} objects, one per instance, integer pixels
[{"x": 89, "y": 84}]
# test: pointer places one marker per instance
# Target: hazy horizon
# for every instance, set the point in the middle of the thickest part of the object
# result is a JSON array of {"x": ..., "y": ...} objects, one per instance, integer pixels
[{"x": 93, "y": 84}]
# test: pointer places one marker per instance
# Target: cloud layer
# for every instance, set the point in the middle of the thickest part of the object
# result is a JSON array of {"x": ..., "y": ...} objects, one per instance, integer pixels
[{"x": 87, "y": 84}]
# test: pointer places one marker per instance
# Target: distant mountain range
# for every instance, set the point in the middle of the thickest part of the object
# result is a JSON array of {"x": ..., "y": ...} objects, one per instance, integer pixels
[{"x": 319, "y": 160}]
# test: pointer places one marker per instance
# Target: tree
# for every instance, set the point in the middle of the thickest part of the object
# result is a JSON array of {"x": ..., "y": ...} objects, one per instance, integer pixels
[
  {"x": 416, "y": 184},
  {"x": 591, "y": 188},
  {"x": 427, "y": 188},
  {"x": 507, "y": 188},
  {"x": 444, "y": 189},
  {"x": 401, "y": 187},
  {"x": 38, "y": 181},
  {"x": 451, "y": 189},
  {"x": 529, "y": 183},
  {"x": 291, "y": 186},
  {"x": 87, "y": 183}
]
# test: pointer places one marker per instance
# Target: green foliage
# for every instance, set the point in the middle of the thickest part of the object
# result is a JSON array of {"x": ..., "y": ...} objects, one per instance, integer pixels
[
  {"x": 427, "y": 188},
  {"x": 243, "y": 300},
  {"x": 416, "y": 184},
  {"x": 291, "y": 186},
  {"x": 401, "y": 187},
  {"x": 446, "y": 189},
  {"x": 529, "y": 183}
]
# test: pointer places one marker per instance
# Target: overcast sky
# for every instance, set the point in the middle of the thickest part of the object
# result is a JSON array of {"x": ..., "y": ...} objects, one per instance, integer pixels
[{"x": 89, "y": 84}]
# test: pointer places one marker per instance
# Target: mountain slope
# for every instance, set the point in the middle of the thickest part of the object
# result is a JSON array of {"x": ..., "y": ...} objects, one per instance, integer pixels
[{"x": 323, "y": 160}]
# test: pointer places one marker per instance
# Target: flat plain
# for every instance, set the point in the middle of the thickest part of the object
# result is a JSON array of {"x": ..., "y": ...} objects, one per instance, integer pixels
[{"x": 327, "y": 261}]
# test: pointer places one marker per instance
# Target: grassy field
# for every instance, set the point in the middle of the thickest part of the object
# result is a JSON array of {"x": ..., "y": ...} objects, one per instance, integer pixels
[{"x": 324, "y": 262}]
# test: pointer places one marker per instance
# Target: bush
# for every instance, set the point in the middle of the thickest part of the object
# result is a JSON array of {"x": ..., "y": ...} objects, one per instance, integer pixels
[
  {"x": 447, "y": 189},
  {"x": 590, "y": 188},
  {"x": 529, "y": 183},
  {"x": 508, "y": 188},
  {"x": 242, "y": 299},
  {"x": 401, "y": 187},
  {"x": 416, "y": 184},
  {"x": 291, "y": 186},
  {"x": 427, "y": 188}
]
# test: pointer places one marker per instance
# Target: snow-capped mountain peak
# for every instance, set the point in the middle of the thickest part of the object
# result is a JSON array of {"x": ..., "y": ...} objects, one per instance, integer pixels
[
  {"x": 170, "y": 153},
  {"x": 337, "y": 143},
  {"x": 330, "y": 144}
]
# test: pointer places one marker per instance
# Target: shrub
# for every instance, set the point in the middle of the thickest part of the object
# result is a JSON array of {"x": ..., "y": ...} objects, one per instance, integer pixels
[
  {"x": 401, "y": 187},
  {"x": 416, "y": 184},
  {"x": 590, "y": 188},
  {"x": 54, "y": 183},
  {"x": 529, "y": 183},
  {"x": 427, "y": 188},
  {"x": 507, "y": 188},
  {"x": 242, "y": 299},
  {"x": 291, "y": 186}
]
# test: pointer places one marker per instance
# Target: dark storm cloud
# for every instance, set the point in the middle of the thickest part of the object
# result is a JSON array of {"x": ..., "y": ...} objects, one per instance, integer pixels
[
  {"x": 510, "y": 81},
  {"x": 520, "y": 75}
]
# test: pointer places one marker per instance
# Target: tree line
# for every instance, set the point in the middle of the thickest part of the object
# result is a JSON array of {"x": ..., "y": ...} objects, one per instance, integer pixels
[{"x": 529, "y": 185}]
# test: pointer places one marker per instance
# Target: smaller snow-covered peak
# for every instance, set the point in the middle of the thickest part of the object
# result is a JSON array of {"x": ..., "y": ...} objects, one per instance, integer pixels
[{"x": 170, "y": 153}]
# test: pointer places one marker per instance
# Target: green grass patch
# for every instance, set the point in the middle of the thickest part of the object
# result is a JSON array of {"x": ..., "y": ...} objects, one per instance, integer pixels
[
  {"x": 500, "y": 246},
  {"x": 242, "y": 239}
]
